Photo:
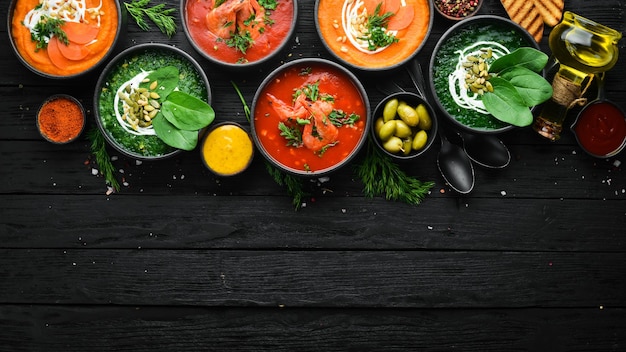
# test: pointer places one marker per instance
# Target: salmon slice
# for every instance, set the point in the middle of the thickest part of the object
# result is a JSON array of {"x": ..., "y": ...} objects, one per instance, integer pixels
[
  {"x": 80, "y": 33},
  {"x": 54, "y": 53},
  {"x": 402, "y": 18}
]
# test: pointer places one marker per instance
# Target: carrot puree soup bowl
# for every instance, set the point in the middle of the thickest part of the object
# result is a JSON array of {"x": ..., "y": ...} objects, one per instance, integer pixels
[
  {"x": 238, "y": 34},
  {"x": 83, "y": 39},
  {"x": 152, "y": 102},
  {"x": 310, "y": 117},
  {"x": 481, "y": 38},
  {"x": 397, "y": 32}
]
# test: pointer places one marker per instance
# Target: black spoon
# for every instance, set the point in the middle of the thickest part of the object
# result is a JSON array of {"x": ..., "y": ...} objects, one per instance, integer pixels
[{"x": 454, "y": 164}]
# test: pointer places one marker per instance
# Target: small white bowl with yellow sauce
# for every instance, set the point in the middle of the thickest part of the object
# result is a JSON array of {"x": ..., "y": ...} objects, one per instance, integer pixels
[{"x": 227, "y": 149}]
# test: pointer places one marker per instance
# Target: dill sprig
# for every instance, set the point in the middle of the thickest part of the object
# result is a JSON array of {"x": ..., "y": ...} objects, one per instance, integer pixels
[
  {"x": 98, "y": 149},
  {"x": 377, "y": 37},
  {"x": 45, "y": 29},
  {"x": 381, "y": 176},
  {"x": 158, "y": 14},
  {"x": 294, "y": 184}
]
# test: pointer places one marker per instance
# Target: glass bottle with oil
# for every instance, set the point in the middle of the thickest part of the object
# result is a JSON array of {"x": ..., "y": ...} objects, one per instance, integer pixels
[{"x": 583, "y": 49}]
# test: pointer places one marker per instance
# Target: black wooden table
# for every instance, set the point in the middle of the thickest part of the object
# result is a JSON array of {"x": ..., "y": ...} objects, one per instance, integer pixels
[{"x": 179, "y": 260}]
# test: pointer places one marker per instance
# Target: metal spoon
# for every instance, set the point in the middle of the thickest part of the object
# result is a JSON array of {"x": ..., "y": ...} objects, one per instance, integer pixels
[{"x": 453, "y": 162}]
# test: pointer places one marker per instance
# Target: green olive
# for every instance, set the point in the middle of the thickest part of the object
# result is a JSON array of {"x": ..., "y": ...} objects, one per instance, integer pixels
[
  {"x": 378, "y": 124},
  {"x": 393, "y": 145},
  {"x": 389, "y": 111},
  {"x": 403, "y": 130},
  {"x": 406, "y": 146},
  {"x": 425, "y": 121},
  {"x": 408, "y": 114},
  {"x": 387, "y": 130},
  {"x": 419, "y": 141}
]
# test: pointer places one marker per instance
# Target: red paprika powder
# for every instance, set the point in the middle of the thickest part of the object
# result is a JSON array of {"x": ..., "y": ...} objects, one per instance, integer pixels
[{"x": 61, "y": 119}]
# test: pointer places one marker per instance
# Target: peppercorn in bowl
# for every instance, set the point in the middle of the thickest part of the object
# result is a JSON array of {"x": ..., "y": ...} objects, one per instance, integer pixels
[
  {"x": 152, "y": 102},
  {"x": 57, "y": 40},
  {"x": 457, "y": 10}
]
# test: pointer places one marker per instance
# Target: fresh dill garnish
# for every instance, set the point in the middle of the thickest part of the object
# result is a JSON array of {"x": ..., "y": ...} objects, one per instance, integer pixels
[
  {"x": 158, "y": 14},
  {"x": 98, "y": 149},
  {"x": 46, "y": 28},
  {"x": 381, "y": 176},
  {"x": 293, "y": 184},
  {"x": 376, "y": 35}
]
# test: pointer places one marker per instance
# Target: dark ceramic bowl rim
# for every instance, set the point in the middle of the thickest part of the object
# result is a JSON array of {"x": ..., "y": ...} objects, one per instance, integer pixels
[
  {"x": 104, "y": 74},
  {"x": 206, "y": 135},
  {"x": 409, "y": 97},
  {"x": 376, "y": 69},
  {"x": 120, "y": 22},
  {"x": 452, "y": 30},
  {"x": 358, "y": 146},
  {"x": 55, "y": 97},
  {"x": 578, "y": 117},
  {"x": 247, "y": 65},
  {"x": 452, "y": 18}
]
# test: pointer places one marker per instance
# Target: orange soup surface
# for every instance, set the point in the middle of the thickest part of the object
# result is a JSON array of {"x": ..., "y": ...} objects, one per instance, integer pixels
[
  {"x": 216, "y": 30},
  {"x": 336, "y": 91},
  {"x": 89, "y": 37},
  {"x": 409, "y": 23}
]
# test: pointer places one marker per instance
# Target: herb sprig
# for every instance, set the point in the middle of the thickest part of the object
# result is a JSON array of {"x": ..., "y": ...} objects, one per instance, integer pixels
[
  {"x": 98, "y": 149},
  {"x": 46, "y": 28},
  {"x": 381, "y": 176},
  {"x": 377, "y": 37},
  {"x": 158, "y": 14}
]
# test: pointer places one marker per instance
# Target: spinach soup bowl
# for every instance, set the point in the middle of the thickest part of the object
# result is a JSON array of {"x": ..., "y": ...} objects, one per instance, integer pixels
[
  {"x": 483, "y": 38},
  {"x": 152, "y": 102}
]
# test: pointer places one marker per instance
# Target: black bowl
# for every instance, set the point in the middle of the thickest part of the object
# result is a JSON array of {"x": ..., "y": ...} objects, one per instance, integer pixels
[
  {"x": 204, "y": 49},
  {"x": 61, "y": 72},
  {"x": 469, "y": 120},
  {"x": 155, "y": 56},
  {"x": 338, "y": 48},
  {"x": 412, "y": 100},
  {"x": 294, "y": 75}
]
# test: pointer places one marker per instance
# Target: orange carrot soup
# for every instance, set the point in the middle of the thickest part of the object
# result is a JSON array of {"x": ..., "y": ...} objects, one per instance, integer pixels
[
  {"x": 238, "y": 31},
  {"x": 310, "y": 117},
  {"x": 64, "y": 37},
  {"x": 373, "y": 34}
]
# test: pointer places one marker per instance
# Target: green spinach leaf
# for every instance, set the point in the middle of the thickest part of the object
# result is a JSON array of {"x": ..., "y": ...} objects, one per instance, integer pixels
[
  {"x": 527, "y": 57},
  {"x": 187, "y": 112},
  {"x": 533, "y": 88},
  {"x": 167, "y": 78},
  {"x": 506, "y": 104},
  {"x": 172, "y": 136}
]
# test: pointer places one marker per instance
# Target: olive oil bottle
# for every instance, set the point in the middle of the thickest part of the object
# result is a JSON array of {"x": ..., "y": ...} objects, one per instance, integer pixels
[{"x": 583, "y": 49}]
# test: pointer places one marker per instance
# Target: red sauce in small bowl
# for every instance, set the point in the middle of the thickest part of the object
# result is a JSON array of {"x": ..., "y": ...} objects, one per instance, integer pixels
[{"x": 601, "y": 129}]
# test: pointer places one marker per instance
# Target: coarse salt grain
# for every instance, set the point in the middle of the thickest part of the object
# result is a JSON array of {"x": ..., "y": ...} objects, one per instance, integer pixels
[
  {"x": 94, "y": 171},
  {"x": 503, "y": 193}
]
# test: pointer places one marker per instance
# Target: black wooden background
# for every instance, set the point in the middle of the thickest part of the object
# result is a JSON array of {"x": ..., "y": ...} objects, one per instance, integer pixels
[{"x": 534, "y": 259}]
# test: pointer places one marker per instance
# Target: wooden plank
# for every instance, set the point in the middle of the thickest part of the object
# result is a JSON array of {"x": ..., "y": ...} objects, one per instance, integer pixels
[
  {"x": 80, "y": 328},
  {"x": 270, "y": 222},
  {"x": 296, "y": 278}
]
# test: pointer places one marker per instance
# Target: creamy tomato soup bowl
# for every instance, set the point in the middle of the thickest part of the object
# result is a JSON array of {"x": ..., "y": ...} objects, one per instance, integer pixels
[
  {"x": 64, "y": 38},
  {"x": 239, "y": 33},
  {"x": 373, "y": 35},
  {"x": 310, "y": 117}
]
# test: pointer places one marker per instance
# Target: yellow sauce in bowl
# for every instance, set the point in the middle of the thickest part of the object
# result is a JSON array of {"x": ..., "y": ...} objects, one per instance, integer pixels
[{"x": 227, "y": 149}]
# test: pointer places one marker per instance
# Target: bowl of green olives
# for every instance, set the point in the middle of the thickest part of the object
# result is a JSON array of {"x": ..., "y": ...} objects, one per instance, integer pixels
[{"x": 405, "y": 125}]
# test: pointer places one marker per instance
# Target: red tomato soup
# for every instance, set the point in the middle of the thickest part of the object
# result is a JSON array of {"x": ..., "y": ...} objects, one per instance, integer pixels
[
  {"x": 601, "y": 129},
  {"x": 316, "y": 102},
  {"x": 238, "y": 31}
]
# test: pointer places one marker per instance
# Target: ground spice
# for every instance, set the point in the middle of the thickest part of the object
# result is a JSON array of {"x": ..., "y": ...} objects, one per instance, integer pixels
[{"x": 61, "y": 119}]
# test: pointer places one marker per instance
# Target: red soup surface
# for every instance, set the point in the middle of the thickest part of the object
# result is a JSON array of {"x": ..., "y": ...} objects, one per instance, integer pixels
[
  {"x": 601, "y": 129},
  {"x": 303, "y": 100},
  {"x": 238, "y": 31}
]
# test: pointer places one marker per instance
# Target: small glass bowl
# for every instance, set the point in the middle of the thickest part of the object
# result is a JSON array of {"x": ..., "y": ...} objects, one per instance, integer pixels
[
  {"x": 232, "y": 144},
  {"x": 457, "y": 10},
  {"x": 53, "y": 122}
]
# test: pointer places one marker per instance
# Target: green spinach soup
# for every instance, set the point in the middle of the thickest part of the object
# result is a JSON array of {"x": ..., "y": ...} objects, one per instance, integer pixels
[
  {"x": 123, "y": 80},
  {"x": 482, "y": 41}
]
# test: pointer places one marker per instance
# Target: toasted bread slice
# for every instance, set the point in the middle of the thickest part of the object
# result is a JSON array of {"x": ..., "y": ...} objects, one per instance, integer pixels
[
  {"x": 550, "y": 10},
  {"x": 526, "y": 15}
]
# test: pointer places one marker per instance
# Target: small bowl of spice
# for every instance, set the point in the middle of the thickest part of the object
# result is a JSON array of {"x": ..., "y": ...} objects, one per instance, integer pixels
[
  {"x": 457, "y": 10},
  {"x": 61, "y": 119},
  {"x": 227, "y": 149}
]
